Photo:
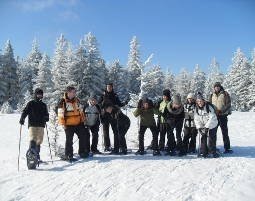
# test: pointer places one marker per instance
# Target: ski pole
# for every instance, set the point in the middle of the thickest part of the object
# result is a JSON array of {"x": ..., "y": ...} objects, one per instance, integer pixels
[
  {"x": 19, "y": 144},
  {"x": 48, "y": 142}
]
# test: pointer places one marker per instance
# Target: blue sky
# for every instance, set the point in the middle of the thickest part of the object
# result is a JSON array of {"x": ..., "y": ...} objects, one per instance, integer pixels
[{"x": 180, "y": 33}]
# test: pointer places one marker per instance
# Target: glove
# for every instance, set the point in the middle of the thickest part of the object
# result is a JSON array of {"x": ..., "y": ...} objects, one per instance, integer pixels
[
  {"x": 21, "y": 121},
  {"x": 140, "y": 104},
  {"x": 203, "y": 131},
  {"x": 46, "y": 119},
  {"x": 218, "y": 112}
]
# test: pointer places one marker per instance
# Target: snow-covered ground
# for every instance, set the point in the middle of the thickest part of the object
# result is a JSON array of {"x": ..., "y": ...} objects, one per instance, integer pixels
[{"x": 131, "y": 177}]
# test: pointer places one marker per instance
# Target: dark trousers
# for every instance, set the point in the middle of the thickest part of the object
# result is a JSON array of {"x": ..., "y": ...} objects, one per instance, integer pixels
[
  {"x": 176, "y": 124},
  {"x": 208, "y": 143},
  {"x": 154, "y": 132},
  {"x": 94, "y": 132},
  {"x": 83, "y": 135},
  {"x": 223, "y": 123},
  {"x": 189, "y": 139},
  {"x": 119, "y": 136},
  {"x": 106, "y": 125},
  {"x": 164, "y": 128}
]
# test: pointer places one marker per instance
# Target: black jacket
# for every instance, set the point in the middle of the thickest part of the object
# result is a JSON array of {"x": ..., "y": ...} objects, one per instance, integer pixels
[
  {"x": 37, "y": 113},
  {"x": 110, "y": 97}
]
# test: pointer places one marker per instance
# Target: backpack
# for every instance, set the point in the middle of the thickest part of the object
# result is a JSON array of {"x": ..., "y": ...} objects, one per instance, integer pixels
[{"x": 32, "y": 158}]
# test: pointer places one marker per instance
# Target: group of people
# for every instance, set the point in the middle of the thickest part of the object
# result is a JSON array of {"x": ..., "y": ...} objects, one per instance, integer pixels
[{"x": 195, "y": 116}]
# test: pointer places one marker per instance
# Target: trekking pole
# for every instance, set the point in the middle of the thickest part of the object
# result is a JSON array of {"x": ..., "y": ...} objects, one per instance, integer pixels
[
  {"x": 19, "y": 144},
  {"x": 48, "y": 142}
]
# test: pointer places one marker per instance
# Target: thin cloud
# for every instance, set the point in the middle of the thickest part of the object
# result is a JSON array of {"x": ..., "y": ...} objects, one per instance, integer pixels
[{"x": 39, "y": 5}]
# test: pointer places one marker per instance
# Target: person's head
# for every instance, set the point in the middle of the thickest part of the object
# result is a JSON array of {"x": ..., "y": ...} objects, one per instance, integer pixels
[
  {"x": 200, "y": 100},
  {"x": 70, "y": 92},
  {"x": 190, "y": 98},
  {"x": 177, "y": 102},
  {"x": 93, "y": 100},
  {"x": 217, "y": 87},
  {"x": 109, "y": 87},
  {"x": 147, "y": 103},
  {"x": 166, "y": 95},
  {"x": 38, "y": 93}
]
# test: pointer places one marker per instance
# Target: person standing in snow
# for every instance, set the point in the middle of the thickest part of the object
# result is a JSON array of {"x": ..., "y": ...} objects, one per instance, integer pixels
[
  {"x": 38, "y": 115},
  {"x": 162, "y": 118},
  {"x": 109, "y": 97},
  {"x": 175, "y": 116},
  {"x": 222, "y": 102},
  {"x": 190, "y": 131},
  {"x": 122, "y": 123},
  {"x": 146, "y": 112},
  {"x": 93, "y": 113},
  {"x": 72, "y": 118},
  {"x": 206, "y": 122}
]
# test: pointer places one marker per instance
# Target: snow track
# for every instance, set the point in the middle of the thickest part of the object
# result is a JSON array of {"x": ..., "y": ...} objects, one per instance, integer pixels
[{"x": 131, "y": 177}]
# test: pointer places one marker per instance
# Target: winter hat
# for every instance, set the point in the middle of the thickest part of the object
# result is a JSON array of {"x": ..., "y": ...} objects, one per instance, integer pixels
[
  {"x": 167, "y": 93},
  {"x": 177, "y": 99},
  {"x": 200, "y": 96},
  {"x": 217, "y": 84},
  {"x": 110, "y": 83},
  {"x": 191, "y": 96},
  {"x": 38, "y": 91},
  {"x": 70, "y": 88},
  {"x": 93, "y": 96}
]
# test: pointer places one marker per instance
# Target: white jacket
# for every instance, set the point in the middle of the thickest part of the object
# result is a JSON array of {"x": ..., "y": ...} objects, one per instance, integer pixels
[{"x": 204, "y": 119}]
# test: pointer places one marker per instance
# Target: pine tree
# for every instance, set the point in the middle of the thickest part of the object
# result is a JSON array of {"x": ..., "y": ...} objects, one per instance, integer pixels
[
  {"x": 44, "y": 78},
  {"x": 238, "y": 81},
  {"x": 31, "y": 66},
  {"x": 198, "y": 81},
  {"x": 59, "y": 69},
  {"x": 24, "y": 100},
  {"x": 6, "y": 108},
  {"x": 183, "y": 83},
  {"x": 3, "y": 84},
  {"x": 134, "y": 66},
  {"x": 214, "y": 75},
  {"x": 252, "y": 79},
  {"x": 10, "y": 78},
  {"x": 170, "y": 82}
]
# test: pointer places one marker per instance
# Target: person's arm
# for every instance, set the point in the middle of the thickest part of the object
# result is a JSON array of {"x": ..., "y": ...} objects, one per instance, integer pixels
[
  {"x": 137, "y": 112},
  {"x": 227, "y": 106},
  {"x": 197, "y": 121},
  {"x": 25, "y": 113},
  {"x": 212, "y": 121},
  {"x": 118, "y": 102}
]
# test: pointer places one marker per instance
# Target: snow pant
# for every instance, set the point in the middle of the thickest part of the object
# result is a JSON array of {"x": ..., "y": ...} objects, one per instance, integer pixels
[
  {"x": 189, "y": 139},
  {"x": 154, "y": 132},
  {"x": 36, "y": 134},
  {"x": 109, "y": 121},
  {"x": 119, "y": 136},
  {"x": 176, "y": 124},
  {"x": 223, "y": 123},
  {"x": 83, "y": 135},
  {"x": 94, "y": 132},
  {"x": 208, "y": 142},
  {"x": 33, "y": 145},
  {"x": 164, "y": 128}
]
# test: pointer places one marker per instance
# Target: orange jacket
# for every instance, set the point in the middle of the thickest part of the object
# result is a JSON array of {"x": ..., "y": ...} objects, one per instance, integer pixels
[{"x": 70, "y": 112}]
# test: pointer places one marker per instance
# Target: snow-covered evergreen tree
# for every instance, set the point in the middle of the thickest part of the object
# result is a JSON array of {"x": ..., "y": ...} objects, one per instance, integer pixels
[
  {"x": 198, "y": 81},
  {"x": 3, "y": 86},
  {"x": 214, "y": 75},
  {"x": 183, "y": 83},
  {"x": 134, "y": 66},
  {"x": 6, "y": 108},
  {"x": 238, "y": 81},
  {"x": 252, "y": 79},
  {"x": 59, "y": 68},
  {"x": 44, "y": 78},
  {"x": 10, "y": 77},
  {"x": 169, "y": 82},
  {"x": 31, "y": 64},
  {"x": 24, "y": 100}
]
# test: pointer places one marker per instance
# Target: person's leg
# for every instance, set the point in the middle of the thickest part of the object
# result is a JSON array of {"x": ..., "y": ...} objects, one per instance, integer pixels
[
  {"x": 122, "y": 132},
  {"x": 171, "y": 144},
  {"x": 187, "y": 134},
  {"x": 39, "y": 140},
  {"x": 69, "y": 131},
  {"x": 223, "y": 122},
  {"x": 203, "y": 145},
  {"x": 192, "y": 144},
  {"x": 94, "y": 130},
  {"x": 114, "y": 126},
  {"x": 142, "y": 131},
  {"x": 154, "y": 132},
  {"x": 178, "y": 128},
  {"x": 83, "y": 135},
  {"x": 162, "y": 133},
  {"x": 107, "y": 142},
  {"x": 212, "y": 141}
]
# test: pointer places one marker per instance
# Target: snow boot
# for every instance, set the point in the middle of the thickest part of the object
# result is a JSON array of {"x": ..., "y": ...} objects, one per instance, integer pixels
[
  {"x": 156, "y": 153},
  {"x": 228, "y": 151},
  {"x": 140, "y": 152}
]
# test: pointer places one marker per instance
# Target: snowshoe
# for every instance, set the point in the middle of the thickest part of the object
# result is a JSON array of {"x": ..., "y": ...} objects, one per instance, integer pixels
[
  {"x": 114, "y": 152},
  {"x": 170, "y": 153},
  {"x": 216, "y": 155},
  {"x": 96, "y": 152},
  {"x": 228, "y": 151},
  {"x": 140, "y": 152},
  {"x": 156, "y": 153},
  {"x": 32, "y": 158},
  {"x": 107, "y": 149},
  {"x": 84, "y": 155}
]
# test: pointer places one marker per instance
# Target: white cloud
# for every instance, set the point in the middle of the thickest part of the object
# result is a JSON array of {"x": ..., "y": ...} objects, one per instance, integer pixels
[{"x": 39, "y": 5}]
